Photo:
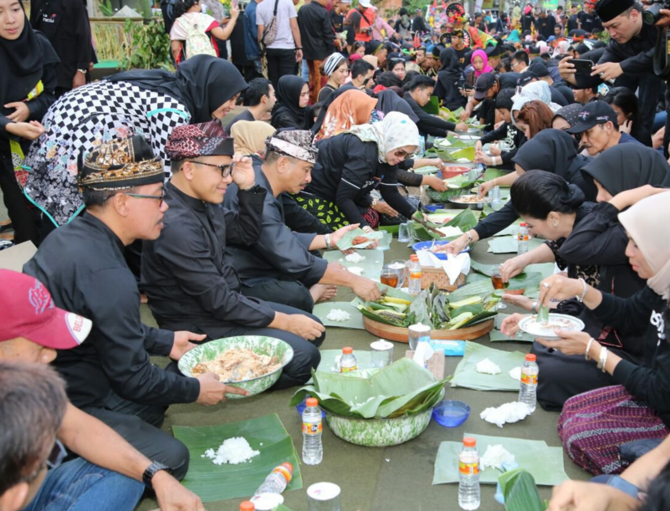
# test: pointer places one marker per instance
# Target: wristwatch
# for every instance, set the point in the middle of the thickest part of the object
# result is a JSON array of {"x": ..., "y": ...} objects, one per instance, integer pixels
[
  {"x": 374, "y": 202},
  {"x": 82, "y": 71},
  {"x": 151, "y": 471}
]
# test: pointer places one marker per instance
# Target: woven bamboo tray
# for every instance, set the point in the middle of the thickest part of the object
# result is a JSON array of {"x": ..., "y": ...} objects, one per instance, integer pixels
[
  {"x": 441, "y": 280},
  {"x": 400, "y": 334}
]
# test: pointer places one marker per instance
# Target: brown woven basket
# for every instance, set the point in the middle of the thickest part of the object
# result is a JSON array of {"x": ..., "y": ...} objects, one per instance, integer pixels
[{"x": 437, "y": 275}]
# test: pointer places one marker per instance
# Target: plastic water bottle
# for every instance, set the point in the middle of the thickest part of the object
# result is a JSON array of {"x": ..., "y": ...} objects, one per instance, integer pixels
[
  {"x": 468, "y": 468},
  {"x": 247, "y": 506},
  {"x": 312, "y": 429},
  {"x": 422, "y": 146},
  {"x": 348, "y": 361},
  {"x": 414, "y": 284},
  {"x": 523, "y": 237},
  {"x": 278, "y": 479},
  {"x": 529, "y": 372},
  {"x": 496, "y": 200}
]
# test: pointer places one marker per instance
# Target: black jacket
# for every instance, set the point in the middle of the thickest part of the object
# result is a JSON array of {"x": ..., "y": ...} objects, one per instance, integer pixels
[
  {"x": 316, "y": 32},
  {"x": 429, "y": 124},
  {"x": 644, "y": 313},
  {"x": 545, "y": 26},
  {"x": 185, "y": 274},
  {"x": 419, "y": 25},
  {"x": 347, "y": 170},
  {"x": 82, "y": 266},
  {"x": 508, "y": 133}
]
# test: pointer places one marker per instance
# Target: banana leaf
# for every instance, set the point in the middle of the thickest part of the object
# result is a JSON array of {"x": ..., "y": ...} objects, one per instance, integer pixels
[
  {"x": 458, "y": 143},
  {"x": 376, "y": 315},
  {"x": 427, "y": 170},
  {"x": 480, "y": 318},
  {"x": 401, "y": 389},
  {"x": 544, "y": 462},
  {"x": 328, "y": 361},
  {"x": 372, "y": 264},
  {"x": 421, "y": 309},
  {"x": 321, "y": 310},
  {"x": 459, "y": 182},
  {"x": 467, "y": 153},
  {"x": 520, "y": 492},
  {"x": 473, "y": 277},
  {"x": 491, "y": 174},
  {"x": 465, "y": 220},
  {"x": 346, "y": 241},
  {"x": 220, "y": 482},
  {"x": 525, "y": 280},
  {"x": 482, "y": 288},
  {"x": 509, "y": 244},
  {"x": 466, "y": 374},
  {"x": 445, "y": 195},
  {"x": 511, "y": 230}
]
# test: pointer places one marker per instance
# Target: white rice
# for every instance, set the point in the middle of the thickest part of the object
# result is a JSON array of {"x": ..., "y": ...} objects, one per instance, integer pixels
[
  {"x": 338, "y": 315},
  {"x": 494, "y": 457},
  {"x": 354, "y": 258},
  {"x": 232, "y": 451},
  {"x": 487, "y": 367}
]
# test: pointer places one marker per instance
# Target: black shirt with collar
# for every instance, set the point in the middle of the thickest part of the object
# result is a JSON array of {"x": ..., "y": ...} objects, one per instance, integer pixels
[
  {"x": 316, "y": 32},
  {"x": 242, "y": 116},
  {"x": 82, "y": 266}
]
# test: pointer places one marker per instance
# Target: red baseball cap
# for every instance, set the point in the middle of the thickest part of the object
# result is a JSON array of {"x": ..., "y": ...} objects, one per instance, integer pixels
[{"x": 27, "y": 310}]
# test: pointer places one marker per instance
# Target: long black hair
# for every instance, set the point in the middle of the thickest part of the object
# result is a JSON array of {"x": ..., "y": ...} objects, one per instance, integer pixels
[
  {"x": 180, "y": 8},
  {"x": 537, "y": 193}
]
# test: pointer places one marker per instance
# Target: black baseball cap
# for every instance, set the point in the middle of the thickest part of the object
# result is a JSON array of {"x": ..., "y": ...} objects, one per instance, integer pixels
[
  {"x": 538, "y": 68},
  {"x": 593, "y": 113},
  {"x": 526, "y": 77},
  {"x": 483, "y": 84}
]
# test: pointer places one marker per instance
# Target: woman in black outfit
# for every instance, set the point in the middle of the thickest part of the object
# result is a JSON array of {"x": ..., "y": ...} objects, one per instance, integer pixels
[
  {"x": 449, "y": 78},
  {"x": 290, "y": 111},
  {"x": 550, "y": 150},
  {"x": 27, "y": 88}
]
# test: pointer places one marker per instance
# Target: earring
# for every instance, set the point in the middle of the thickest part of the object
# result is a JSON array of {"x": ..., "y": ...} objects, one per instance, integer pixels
[{"x": 555, "y": 225}]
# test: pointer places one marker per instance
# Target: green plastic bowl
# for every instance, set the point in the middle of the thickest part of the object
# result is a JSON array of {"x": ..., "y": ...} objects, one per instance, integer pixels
[{"x": 256, "y": 343}]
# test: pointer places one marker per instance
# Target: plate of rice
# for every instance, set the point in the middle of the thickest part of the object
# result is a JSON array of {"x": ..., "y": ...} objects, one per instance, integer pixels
[{"x": 531, "y": 325}]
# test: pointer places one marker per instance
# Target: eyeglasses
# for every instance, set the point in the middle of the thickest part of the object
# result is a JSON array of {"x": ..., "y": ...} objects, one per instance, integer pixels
[
  {"x": 226, "y": 170},
  {"x": 402, "y": 154},
  {"x": 160, "y": 197}
]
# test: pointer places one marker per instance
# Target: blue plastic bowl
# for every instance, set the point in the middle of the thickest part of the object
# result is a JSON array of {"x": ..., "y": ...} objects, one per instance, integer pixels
[
  {"x": 423, "y": 245},
  {"x": 301, "y": 408},
  {"x": 451, "y": 414},
  {"x": 432, "y": 208}
]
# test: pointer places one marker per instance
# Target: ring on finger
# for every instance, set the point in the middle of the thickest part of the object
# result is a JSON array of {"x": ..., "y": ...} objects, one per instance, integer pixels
[{"x": 546, "y": 285}]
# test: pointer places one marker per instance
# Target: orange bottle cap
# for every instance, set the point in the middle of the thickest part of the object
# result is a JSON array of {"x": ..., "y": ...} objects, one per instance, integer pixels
[
  {"x": 247, "y": 506},
  {"x": 311, "y": 401},
  {"x": 523, "y": 224},
  {"x": 347, "y": 350},
  {"x": 468, "y": 441},
  {"x": 531, "y": 358}
]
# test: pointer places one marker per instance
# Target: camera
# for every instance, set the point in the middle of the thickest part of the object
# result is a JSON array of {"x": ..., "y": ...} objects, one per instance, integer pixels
[{"x": 653, "y": 13}]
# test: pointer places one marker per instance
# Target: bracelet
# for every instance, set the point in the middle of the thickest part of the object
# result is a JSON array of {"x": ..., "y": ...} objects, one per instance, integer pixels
[
  {"x": 472, "y": 240},
  {"x": 298, "y": 49},
  {"x": 82, "y": 71},
  {"x": 533, "y": 307},
  {"x": 580, "y": 299},
  {"x": 588, "y": 348},
  {"x": 327, "y": 238},
  {"x": 603, "y": 358}
]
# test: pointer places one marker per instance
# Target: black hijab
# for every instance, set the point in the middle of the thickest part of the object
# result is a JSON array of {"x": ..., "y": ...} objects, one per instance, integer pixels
[
  {"x": 202, "y": 83},
  {"x": 554, "y": 151},
  {"x": 389, "y": 101},
  {"x": 22, "y": 64},
  {"x": 288, "y": 93},
  {"x": 627, "y": 166},
  {"x": 450, "y": 66}
]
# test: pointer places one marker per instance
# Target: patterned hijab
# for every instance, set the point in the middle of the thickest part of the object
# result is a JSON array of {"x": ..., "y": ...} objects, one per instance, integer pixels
[
  {"x": 654, "y": 243},
  {"x": 250, "y": 136},
  {"x": 396, "y": 130},
  {"x": 350, "y": 109}
]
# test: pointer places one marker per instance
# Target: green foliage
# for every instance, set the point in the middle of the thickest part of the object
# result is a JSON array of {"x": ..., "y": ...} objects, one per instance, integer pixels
[
  {"x": 520, "y": 491},
  {"x": 106, "y": 7},
  {"x": 144, "y": 8},
  {"x": 150, "y": 46}
]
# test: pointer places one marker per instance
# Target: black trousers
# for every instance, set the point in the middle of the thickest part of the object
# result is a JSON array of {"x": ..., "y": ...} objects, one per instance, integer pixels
[
  {"x": 139, "y": 424},
  {"x": 24, "y": 217},
  {"x": 287, "y": 292},
  {"x": 280, "y": 63}
]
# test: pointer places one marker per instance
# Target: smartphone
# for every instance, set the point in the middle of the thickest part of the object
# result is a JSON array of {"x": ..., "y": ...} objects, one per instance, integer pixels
[{"x": 582, "y": 66}]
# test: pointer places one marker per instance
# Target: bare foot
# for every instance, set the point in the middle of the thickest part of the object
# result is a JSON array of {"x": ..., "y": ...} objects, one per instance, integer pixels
[{"x": 321, "y": 292}]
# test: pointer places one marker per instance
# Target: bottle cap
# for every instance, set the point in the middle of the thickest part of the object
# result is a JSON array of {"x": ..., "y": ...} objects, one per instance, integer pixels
[
  {"x": 347, "y": 350},
  {"x": 531, "y": 358},
  {"x": 468, "y": 441},
  {"x": 523, "y": 224},
  {"x": 247, "y": 506},
  {"x": 414, "y": 257},
  {"x": 311, "y": 401}
]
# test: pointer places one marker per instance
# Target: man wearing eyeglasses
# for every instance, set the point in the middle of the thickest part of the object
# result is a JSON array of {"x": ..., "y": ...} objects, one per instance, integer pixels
[
  {"x": 186, "y": 273},
  {"x": 82, "y": 265},
  {"x": 38, "y": 423}
]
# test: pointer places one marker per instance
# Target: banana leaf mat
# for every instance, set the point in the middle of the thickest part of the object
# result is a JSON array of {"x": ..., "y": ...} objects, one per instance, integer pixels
[
  {"x": 466, "y": 374},
  {"x": 372, "y": 264},
  {"x": 543, "y": 462},
  {"x": 213, "y": 482},
  {"x": 321, "y": 310}
]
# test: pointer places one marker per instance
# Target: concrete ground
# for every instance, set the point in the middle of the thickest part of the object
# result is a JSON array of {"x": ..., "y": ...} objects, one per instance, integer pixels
[{"x": 377, "y": 479}]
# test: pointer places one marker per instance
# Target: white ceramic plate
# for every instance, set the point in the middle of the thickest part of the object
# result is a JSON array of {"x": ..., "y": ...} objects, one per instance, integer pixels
[{"x": 530, "y": 325}]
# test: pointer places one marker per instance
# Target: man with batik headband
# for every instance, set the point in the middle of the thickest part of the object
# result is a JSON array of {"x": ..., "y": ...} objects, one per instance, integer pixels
[
  {"x": 188, "y": 278},
  {"x": 111, "y": 376},
  {"x": 279, "y": 267}
]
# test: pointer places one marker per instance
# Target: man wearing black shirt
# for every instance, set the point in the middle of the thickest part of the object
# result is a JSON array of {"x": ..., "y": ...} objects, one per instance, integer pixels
[
  {"x": 111, "y": 376},
  {"x": 545, "y": 25},
  {"x": 318, "y": 40},
  {"x": 589, "y": 20},
  {"x": 419, "y": 24},
  {"x": 462, "y": 51},
  {"x": 573, "y": 20}
]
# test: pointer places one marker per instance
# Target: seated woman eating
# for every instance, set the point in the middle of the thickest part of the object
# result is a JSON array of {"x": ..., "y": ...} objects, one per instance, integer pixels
[
  {"x": 595, "y": 424},
  {"x": 351, "y": 165}
]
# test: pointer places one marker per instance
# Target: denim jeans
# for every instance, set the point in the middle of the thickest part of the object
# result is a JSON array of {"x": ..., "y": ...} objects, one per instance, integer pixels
[{"x": 81, "y": 486}]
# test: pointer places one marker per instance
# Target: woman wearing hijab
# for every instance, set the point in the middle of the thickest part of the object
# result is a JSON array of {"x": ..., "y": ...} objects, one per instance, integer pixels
[
  {"x": 352, "y": 164},
  {"x": 550, "y": 150},
  {"x": 27, "y": 86},
  {"x": 566, "y": 117},
  {"x": 597, "y": 240},
  {"x": 594, "y": 425},
  {"x": 351, "y": 108},
  {"x": 534, "y": 91},
  {"x": 150, "y": 103},
  {"x": 249, "y": 137},
  {"x": 448, "y": 80},
  {"x": 290, "y": 110},
  {"x": 480, "y": 63}
]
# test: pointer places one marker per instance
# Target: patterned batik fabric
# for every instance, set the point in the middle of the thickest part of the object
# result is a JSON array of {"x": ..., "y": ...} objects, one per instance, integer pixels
[
  {"x": 329, "y": 214},
  {"x": 593, "y": 425},
  {"x": 83, "y": 119}
]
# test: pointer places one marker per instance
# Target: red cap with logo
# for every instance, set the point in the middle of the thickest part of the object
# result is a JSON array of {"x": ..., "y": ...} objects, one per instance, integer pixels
[{"x": 27, "y": 310}]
